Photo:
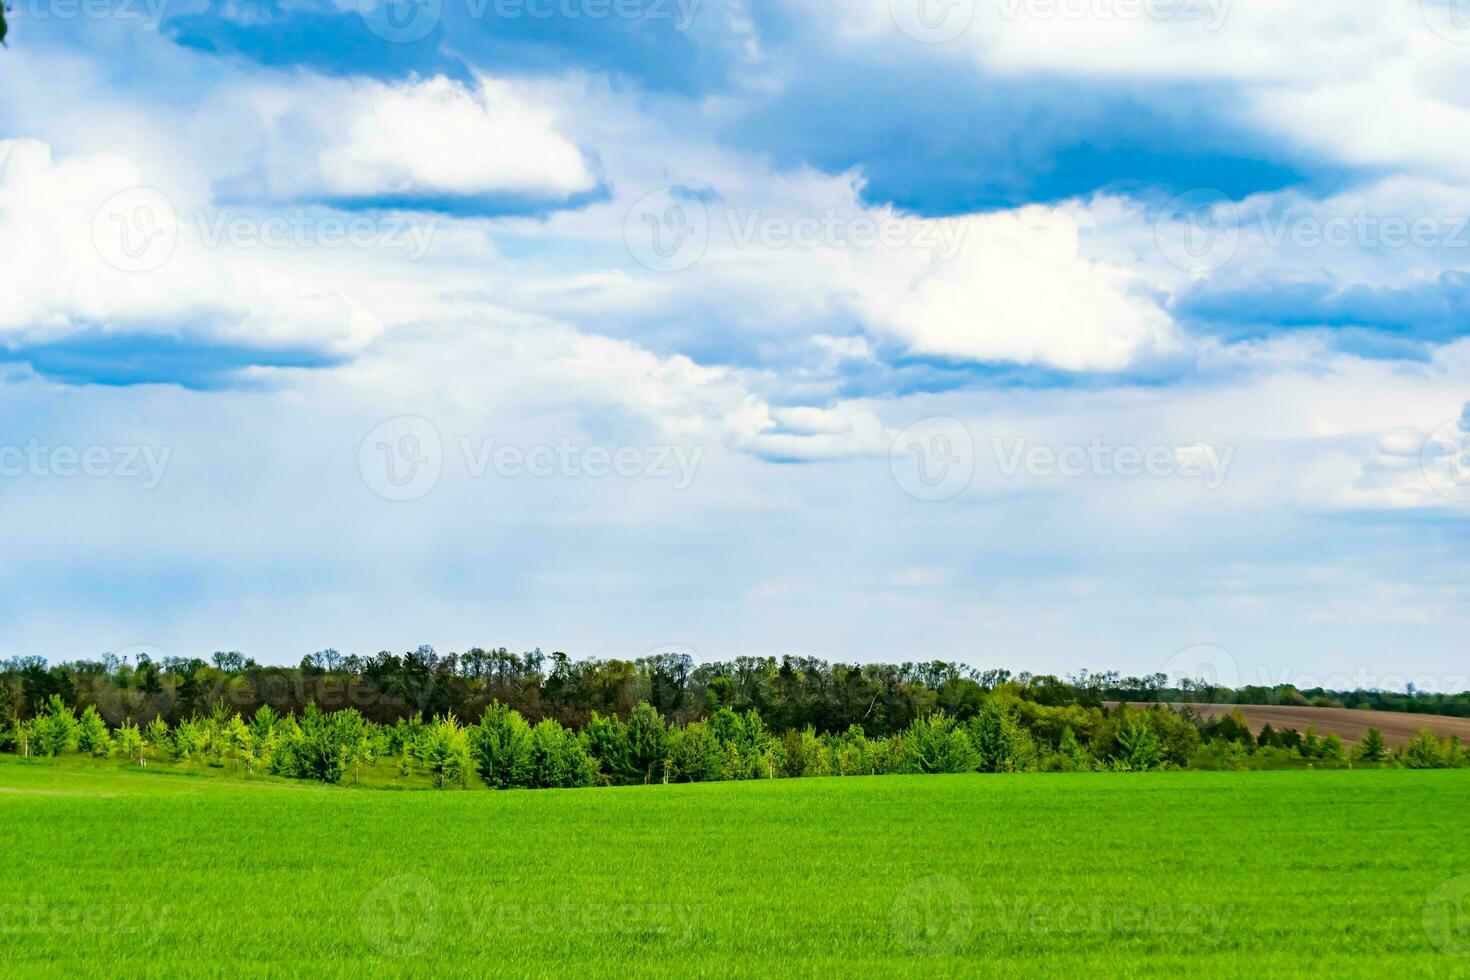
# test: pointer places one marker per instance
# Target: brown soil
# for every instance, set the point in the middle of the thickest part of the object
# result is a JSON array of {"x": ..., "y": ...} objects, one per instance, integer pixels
[{"x": 1348, "y": 724}]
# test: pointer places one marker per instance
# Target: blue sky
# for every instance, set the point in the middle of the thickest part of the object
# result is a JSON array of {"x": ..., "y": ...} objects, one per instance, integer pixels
[{"x": 1045, "y": 335}]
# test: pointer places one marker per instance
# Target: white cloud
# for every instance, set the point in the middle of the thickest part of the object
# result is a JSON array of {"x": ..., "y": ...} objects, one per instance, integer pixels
[
  {"x": 1364, "y": 82},
  {"x": 1202, "y": 39},
  {"x": 785, "y": 254},
  {"x": 63, "y": 241},
  {"x": 418, "y": 139},
  {"x": 495, "y": 334},
  {"x": 1017, "y": 290}
]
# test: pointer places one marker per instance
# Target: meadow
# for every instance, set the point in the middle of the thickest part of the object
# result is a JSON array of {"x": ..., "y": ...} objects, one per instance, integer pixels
[{"x": 1262, "y": 873}]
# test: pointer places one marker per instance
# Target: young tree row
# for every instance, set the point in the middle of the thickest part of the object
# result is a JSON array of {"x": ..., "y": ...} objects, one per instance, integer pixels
[{"x": 505, "y": 751}]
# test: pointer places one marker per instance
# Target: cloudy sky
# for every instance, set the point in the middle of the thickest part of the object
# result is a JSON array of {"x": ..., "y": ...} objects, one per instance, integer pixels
[{"x": 1040, "y": 333}]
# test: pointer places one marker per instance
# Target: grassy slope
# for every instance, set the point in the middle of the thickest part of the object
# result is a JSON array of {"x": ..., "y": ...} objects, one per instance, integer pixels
[{"x": 1307, "y": 873}]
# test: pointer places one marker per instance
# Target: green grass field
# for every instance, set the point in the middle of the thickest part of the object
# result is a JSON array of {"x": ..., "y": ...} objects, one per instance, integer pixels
[{"x": 122, "y": 872}]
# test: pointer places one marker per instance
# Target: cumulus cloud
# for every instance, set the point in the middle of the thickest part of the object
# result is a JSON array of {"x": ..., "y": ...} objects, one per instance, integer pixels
[
  {"x": 1181, "y": 39},
  {"x": 489, "y": 144},
  {"x": 1361, "y": 82},
  {"x": 89, "y": 248},
  {"x": 1018, "y": 289},
  {"x": 785, "y": 340}
]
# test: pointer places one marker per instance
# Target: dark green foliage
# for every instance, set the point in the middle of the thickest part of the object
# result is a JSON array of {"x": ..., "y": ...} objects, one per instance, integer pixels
[
  {"x": 750, "y": 751},
  {"x": 599, "y": 722},
  {"x": 316, "y": 747},
  {"x": 1230, "y": 727},
  {"x": 1138, "y": 747},
  {"x": 92, "y": 735},
  {"x": 1372, "y": 748},
  {"x": 559, "y": 758},
  {"x": 1071, "y": 755},
  {"x": 55, "y": 729},
  {"x": 607, "y": 739},
  {"x": 788, "y": 693},
  {"x": 939, "y": 744},
  {"x": 1267, "y": 736},
  {"x": 696, "y": 753},
  {"x": 443, "y": 748},
  {"x": 1427, "y": 751},
  {"x": 500, "y": 746},
  {"x": 648, "y": 742},
  {"x": 1314, "y": 746},
  {"x": 1001, "y": 743},
  {"x": 804, "y": 753}
]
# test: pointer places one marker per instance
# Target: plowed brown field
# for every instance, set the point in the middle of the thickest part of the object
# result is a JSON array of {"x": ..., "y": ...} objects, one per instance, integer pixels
[{"x": 1348, "y": 724}]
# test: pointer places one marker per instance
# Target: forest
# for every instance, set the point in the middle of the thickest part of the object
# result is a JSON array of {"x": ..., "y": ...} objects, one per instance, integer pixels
[{"x": 529, "y": 720}]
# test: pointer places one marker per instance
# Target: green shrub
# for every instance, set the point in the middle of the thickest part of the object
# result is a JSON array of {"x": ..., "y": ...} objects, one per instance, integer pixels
[
  {"x": 92, "y": 735},
  {"x": 55, "y": 729},
  {"x": 937, "y": 743},
  {"x": 500, "y": 746}
]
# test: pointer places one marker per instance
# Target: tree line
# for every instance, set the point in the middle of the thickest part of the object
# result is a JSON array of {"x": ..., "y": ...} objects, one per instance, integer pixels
[
  {"x": 1007, "y": 732},
  {"x": 788, "y": 693}
]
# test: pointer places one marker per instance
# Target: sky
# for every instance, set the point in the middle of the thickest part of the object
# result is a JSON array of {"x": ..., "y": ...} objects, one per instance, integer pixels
[{"x": 1045, "y": 334}]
